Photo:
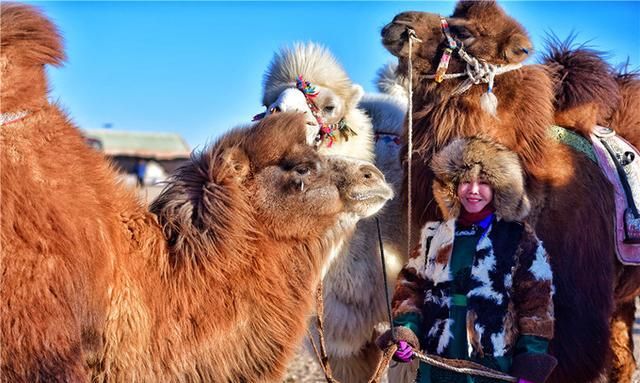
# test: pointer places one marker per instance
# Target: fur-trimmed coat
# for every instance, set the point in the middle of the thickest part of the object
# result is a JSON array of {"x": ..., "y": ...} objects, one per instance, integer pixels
[{"x": 508, "y": 292}]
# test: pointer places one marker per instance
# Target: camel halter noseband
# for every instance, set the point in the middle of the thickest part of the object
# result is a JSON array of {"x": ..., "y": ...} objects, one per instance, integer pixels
[
  {"x": 327, "y": 132},
  {"x": 477, "y": 71}
]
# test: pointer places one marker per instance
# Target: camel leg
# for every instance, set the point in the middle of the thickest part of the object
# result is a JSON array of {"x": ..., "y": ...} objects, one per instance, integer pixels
[
  {"x": 357, "y": 368},
  {"x": 403, "y": 372},
  {"x": 624, "y": 363}
]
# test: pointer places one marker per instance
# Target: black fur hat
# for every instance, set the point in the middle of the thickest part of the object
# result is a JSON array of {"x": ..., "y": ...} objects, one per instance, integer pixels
[{"x": 466, "y": 159}]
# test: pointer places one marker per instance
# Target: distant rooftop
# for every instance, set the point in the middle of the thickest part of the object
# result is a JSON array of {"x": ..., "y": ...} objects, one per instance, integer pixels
[{"x": 162, "y": 146}]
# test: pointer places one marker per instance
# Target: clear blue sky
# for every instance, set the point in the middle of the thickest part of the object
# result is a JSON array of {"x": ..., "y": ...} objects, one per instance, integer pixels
[{"x": 196, "y": 67}]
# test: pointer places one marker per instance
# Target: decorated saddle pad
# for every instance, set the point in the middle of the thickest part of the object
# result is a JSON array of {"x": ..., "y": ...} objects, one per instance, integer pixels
[{"x": 620, "y": 162}]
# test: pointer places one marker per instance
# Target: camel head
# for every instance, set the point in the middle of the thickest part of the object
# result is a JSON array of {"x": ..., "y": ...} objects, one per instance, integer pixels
[
  {"x": 28, "y": 42},
  {"x": 307, "y": 78},
  {"x": 481, "y": 27},
  {"x": 258, "y": 178},
  {"x": 360, "y": 185},
  {"x": 296, "y": 190}
]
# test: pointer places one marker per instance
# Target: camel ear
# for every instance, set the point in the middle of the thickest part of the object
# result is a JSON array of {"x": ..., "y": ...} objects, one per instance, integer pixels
[
  {"x": 237, "y": 162},
  {"x": 355, "y": 96},
  {"x": 517, "y": 48}
]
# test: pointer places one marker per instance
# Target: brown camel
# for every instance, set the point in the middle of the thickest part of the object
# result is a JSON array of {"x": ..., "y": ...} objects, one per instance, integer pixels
[
  {"x": 213, "y": 284},
  {"x": 572, "y": 200}
]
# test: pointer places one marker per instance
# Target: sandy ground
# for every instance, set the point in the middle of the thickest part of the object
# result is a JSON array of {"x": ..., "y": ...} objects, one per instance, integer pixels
[{"x": 305, "y": 368}]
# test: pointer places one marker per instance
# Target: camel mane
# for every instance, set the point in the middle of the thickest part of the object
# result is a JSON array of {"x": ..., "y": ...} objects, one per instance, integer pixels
[
  {"x": 314, "y": 62},
  {"x": 203, "y": 211}
]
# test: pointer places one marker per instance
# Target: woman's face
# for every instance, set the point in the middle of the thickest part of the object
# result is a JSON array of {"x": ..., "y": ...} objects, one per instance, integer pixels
[{"x": 474, "y": 195}]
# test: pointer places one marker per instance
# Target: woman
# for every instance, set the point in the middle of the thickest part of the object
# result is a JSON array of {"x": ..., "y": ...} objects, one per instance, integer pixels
[{"x": 479, "y": 285}]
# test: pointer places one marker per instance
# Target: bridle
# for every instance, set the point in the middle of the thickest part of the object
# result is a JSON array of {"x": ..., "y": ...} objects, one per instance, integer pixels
[
  {"x": 477, "y": 70},
  {"x": 327, "y": 132}
]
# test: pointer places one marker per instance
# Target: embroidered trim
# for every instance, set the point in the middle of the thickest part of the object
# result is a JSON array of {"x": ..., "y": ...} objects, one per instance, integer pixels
[{"x": 574, "y": 140}]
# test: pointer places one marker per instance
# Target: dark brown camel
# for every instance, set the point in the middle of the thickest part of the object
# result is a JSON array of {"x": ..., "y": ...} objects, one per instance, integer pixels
[{"x": 572, "y": 200}]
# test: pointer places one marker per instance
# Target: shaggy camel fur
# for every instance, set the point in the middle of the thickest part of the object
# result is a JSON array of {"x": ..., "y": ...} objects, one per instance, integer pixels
[
  {"x": 353, "y": 287},
  {"x": 355, "y": 303},
  {"x": 588, "y": 92},
  {"x": 572, "y": 201},
  {"x": 213, "y": 284}
]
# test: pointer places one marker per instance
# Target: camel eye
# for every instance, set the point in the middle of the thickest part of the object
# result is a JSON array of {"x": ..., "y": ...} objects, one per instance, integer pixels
[
  {"x": 461, "y": 32},
  {"x": 329, "y": 108},
  {"x": 302, "y": 170}
]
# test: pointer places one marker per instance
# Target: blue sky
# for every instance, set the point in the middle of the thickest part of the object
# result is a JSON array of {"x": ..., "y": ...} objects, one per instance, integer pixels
[{"x": 196, "y": 67}]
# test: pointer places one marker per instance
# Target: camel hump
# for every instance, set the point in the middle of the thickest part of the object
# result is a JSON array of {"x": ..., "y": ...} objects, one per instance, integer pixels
[
  {"x": 389, "y": 81},
  {"x": 26, "y": 30},
  {"x": 581, "y": 75}
]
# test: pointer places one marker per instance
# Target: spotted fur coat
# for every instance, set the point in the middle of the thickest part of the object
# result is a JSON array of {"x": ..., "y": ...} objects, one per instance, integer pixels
[
  {"x": 510, "y": 287},
  {"x": 498, "y": 310}
]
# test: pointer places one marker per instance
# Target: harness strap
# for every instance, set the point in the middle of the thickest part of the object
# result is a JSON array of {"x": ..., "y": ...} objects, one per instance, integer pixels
[
  {"x": 476, "y": 70},
  {"x": 8, "y": 118},
  {"x": 326, "y": 131}
]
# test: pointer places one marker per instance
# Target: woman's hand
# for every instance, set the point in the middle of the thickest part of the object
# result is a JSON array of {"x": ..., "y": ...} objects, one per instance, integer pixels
[{"x": 404, "y": 353}]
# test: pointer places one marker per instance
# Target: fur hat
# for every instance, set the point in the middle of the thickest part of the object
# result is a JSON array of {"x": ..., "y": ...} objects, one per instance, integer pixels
[{"x": 466, "y": 159}]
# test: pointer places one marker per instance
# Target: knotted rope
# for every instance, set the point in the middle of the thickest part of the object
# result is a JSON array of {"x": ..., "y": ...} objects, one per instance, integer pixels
[
  {"x": 321, "y": 350},
  {"x": 477, "y": 71},
  {"x": 463, "y": 367},
  {"x": 411, "y": 35}
]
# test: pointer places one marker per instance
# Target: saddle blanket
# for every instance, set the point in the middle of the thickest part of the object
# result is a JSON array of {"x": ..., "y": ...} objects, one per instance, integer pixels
[{"x": 620, "y": 162}]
